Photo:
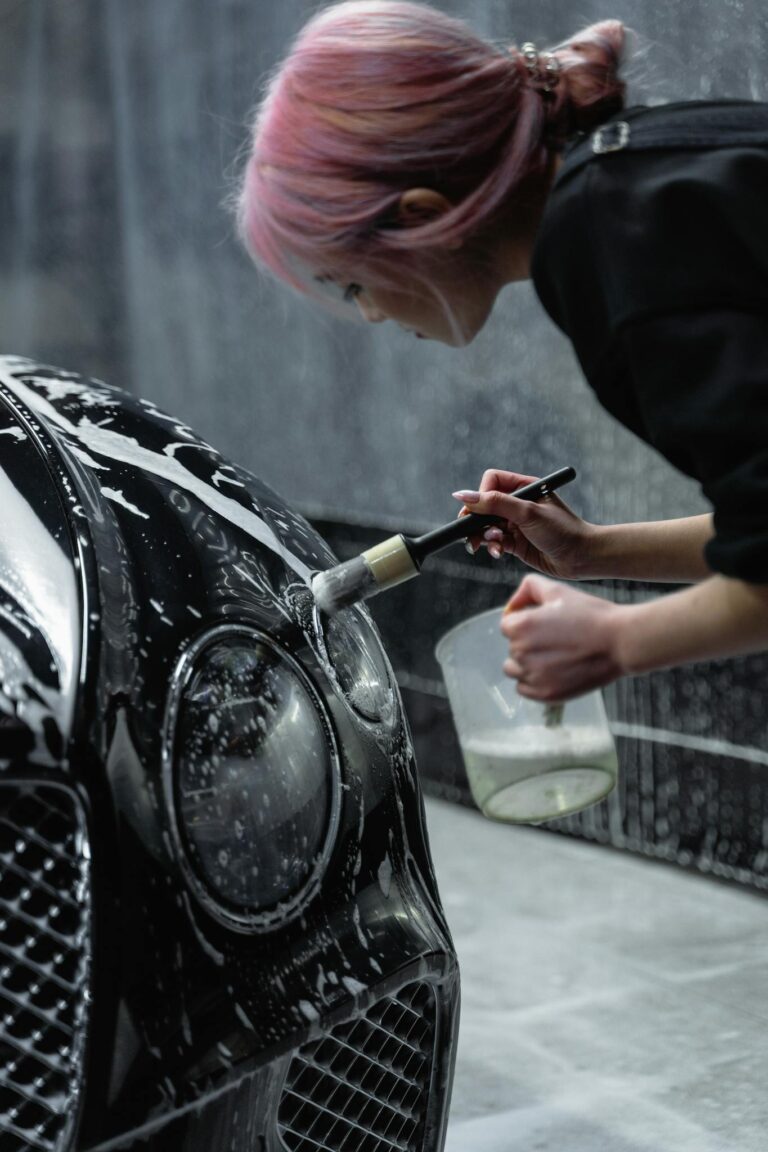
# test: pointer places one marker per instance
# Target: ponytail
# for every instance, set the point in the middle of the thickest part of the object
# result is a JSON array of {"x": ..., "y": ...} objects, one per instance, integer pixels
[{"x": 589, "y": 89}]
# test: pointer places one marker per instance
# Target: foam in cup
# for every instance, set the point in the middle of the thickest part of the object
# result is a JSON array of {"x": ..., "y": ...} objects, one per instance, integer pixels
[{"x": 532, "y": 773}]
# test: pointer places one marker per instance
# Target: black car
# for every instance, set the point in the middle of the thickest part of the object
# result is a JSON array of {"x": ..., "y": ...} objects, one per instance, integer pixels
[{"x": 219, "y": 922}]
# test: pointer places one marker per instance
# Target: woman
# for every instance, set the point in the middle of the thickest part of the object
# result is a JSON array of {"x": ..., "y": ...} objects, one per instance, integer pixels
[{"x": 417, "y": 169}]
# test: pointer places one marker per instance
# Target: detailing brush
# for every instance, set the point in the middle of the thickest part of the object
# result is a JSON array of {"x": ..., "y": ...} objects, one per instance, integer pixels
[{"x": 400, "y": 557}]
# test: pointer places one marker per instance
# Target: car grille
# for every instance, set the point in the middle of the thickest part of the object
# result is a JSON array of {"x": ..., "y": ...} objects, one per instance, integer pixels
[
  {"x": 44, "y": 964},
  {"x": 364, "y": 1085}
]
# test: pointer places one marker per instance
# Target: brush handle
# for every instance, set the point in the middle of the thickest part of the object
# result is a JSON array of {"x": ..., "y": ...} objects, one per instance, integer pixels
[{"x": 422, "y": 546}]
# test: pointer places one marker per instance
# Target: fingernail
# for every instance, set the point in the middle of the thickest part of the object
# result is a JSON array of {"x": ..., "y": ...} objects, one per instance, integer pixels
[
  {"x": 495, "y": 551},
  {"x": 469, "y": 548},
  {"x": 466, "y": 497},
  {"x": 492, "y": 534}
]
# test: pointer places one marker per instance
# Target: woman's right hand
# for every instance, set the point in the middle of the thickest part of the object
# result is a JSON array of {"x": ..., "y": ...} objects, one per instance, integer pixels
[{"x": 545, "y": 534}]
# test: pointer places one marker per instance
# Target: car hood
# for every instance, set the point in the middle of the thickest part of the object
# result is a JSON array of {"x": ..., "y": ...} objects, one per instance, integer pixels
[
  {"x": 40, "y": 614},
  {"x": 134, "y": 529}
]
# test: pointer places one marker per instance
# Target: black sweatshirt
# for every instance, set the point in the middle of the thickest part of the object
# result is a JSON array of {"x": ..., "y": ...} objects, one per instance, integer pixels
[{"x": 652, "y": 257}]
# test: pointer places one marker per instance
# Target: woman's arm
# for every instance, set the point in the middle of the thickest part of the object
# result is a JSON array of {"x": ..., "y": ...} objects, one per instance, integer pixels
[
  {"x": 564, "y": 642},
  {"x": 550, "y": 537},
  {"x": 719, "y": 617},
  {"x": 668, "y": 551}
]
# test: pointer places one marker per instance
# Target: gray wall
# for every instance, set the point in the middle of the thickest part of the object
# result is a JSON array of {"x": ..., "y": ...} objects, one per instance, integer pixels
[{"x": 120, "y": 126}]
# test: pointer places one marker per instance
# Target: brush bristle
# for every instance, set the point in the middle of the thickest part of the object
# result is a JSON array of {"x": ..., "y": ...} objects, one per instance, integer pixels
[{"x": 343, "y": 585}]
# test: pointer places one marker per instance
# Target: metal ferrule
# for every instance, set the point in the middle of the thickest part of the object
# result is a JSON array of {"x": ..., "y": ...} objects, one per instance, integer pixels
[{"x": 390, "y": 562}]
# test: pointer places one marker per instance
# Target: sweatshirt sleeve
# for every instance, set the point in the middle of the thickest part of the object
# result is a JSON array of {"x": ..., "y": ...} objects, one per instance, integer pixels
[{"x": 699, "y": 382}]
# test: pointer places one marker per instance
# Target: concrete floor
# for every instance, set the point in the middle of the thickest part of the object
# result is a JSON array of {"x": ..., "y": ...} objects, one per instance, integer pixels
[{"x": 609, "y": 1003}]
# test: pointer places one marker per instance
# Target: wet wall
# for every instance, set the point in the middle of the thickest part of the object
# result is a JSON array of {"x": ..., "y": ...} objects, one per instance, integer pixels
[{"x": 120, "y": 131}]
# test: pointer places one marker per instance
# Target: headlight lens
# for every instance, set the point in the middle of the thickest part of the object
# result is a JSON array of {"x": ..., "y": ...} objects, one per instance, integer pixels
[
  {"x": 254, "y": 778},
  {"x": 357, "y": 658}
]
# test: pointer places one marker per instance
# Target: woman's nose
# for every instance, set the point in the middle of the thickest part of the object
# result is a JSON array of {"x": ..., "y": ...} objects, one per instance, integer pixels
[{"x": 369, "y": 311}]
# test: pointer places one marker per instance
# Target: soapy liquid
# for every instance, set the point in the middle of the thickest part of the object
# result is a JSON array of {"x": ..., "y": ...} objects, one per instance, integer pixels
[{"x": 533, "y": 773}]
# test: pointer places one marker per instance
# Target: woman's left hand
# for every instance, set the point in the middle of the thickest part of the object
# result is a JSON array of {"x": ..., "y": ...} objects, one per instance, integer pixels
[{"x": 562, "y": 642}]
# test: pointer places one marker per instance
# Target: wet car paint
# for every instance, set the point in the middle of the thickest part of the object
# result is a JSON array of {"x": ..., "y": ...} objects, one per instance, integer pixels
[{"x": 159, "y": 539}]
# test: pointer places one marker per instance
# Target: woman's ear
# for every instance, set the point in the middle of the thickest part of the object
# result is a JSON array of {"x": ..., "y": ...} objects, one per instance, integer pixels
[{"x": 422, "y": 206}]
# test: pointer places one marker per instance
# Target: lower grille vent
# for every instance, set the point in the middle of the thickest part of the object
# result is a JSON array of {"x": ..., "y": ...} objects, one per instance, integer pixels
[
  {"x": 364, "y": 1085},
  {"x": 44, "y": 954}
]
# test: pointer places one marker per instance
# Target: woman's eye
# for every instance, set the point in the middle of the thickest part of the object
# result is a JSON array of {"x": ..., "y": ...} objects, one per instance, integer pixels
[{"x": 351, "y": 291}]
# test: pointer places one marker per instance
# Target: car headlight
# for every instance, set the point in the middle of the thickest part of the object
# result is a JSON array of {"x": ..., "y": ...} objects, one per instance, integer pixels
[
  {"x": 251, "y": 776},
  {"x": 361, "y": 669}
]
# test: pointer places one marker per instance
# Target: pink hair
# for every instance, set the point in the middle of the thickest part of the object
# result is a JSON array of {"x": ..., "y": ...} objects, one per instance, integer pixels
[{"x": 378, "y": 96}]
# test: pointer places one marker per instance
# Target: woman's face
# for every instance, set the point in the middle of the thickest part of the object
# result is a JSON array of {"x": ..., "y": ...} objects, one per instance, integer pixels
[
  {"x": 464, "y": 279},
  {"x": 452, "y": 310}
]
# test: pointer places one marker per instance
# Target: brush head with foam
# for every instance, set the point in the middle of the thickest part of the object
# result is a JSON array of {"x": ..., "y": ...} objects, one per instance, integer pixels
[
  {"x": 380, "y": 567},
  {"x": 346, "y": 584}
]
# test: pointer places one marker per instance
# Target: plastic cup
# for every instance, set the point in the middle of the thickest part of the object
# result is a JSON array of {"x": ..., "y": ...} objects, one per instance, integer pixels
[{"x": 526, "y": 762}]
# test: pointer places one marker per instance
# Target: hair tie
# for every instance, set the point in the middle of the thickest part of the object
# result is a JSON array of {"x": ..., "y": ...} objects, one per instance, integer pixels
[{"x": 544, "y": 76}]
